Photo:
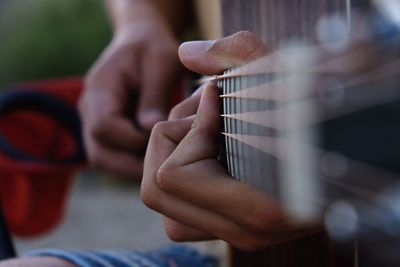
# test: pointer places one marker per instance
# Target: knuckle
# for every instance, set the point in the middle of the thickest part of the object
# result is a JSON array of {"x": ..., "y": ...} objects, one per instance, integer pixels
[
  {"x": 158, "y": 131},
  {"x": 160, "y": 127},
  {"x": 157, "y": 135},
  {"x": 165, "y": 177},
  {"x": 248, "y": 44},
  {"x": 148, "y": 197},
  {"x": 243, "y": 39},
  {"x": 176, "y": 112},
  {"x": 245, "y": 36},
  {"x": 258, "y": 220}
]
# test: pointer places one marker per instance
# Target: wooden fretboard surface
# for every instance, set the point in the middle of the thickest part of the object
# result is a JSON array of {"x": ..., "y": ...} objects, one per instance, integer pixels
[{"x": 275, "y": 21}]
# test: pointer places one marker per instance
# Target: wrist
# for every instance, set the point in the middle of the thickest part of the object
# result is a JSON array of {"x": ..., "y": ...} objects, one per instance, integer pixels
[
  {"x": 144, "y": 32},
  {"x": 127, "y": 14}
]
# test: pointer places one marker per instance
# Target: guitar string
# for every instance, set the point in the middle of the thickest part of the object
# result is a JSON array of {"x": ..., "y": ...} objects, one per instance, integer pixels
[
  {"x": 227, "y": 107},
  {"x": 272, "y": 63},
  {"x": 227, "y": 74},
  {"x": 239, "y": 129},
  {"x": 382, "y": 72},
  {"x": 360, "y": 80},
  {"x": 235, "y": 125},
  {"x": 273, "y": 118},
  {"x": 262, "y": 143},
  {"x": 359, "y": 191},
  {"x": 281, "y": 154},
  {"x": 230, "y": 130}
]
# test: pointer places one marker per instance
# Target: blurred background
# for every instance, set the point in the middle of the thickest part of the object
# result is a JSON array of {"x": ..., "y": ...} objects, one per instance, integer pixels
[
  {"x": 46, "y": 38},
  {"x": 42, "y": 39}
]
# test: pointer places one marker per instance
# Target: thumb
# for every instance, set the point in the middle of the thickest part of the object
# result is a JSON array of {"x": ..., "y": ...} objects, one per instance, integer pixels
[{"x": 214, "y": 56}]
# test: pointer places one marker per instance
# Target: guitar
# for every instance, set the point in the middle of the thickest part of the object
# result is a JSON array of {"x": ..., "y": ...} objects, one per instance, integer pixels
[{"x": 299, "y": 125}]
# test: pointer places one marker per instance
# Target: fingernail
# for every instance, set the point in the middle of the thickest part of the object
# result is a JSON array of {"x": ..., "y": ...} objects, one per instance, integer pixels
[
  {"x": 195, "y": 47},
  {"x": 148, "y": 118}
]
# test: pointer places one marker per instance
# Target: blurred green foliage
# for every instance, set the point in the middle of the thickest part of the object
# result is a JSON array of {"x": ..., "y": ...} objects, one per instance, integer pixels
[{"x": 50, "y": 38}]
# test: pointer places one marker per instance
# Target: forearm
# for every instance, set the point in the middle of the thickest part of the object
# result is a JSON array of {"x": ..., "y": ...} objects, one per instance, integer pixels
[{"x": 173, "y": 14}]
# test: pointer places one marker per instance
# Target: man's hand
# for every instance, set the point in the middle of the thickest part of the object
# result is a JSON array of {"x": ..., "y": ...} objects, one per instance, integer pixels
[
  {"x": 183, "y": 178},
  {"x": 129, "y": 88}
]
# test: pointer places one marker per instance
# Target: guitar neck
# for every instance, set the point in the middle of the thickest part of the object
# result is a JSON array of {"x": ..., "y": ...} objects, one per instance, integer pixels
[{"x": 265, "y": 134}]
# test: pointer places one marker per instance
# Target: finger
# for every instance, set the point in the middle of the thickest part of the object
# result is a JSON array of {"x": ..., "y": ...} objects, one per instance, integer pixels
[
  {"x": 159, "y": 79},
  {"x": 116, "y": 162},
  {"x": 119, "y": 133},
  {"x": 101, "y": 111},
  {"x": 208, "y": 222},
  {"x": 180, "y": 232},
  {"x": 163, "y": 140},
  {"x": 201, "y": 141},
  {"x": 188, "y": 107},
  {"x": 213, "y": 57},
  {"x": 196, "y": 217},
  {"x": 212, "y": 188}
]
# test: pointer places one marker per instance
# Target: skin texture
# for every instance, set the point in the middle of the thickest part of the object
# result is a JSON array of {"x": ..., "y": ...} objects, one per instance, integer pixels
[
  {"x": 128, "y": 90},
  {"x": 183, "y": 179}
]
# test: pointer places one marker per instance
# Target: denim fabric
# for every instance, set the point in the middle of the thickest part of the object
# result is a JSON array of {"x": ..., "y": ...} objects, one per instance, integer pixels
[{"x": 170, "y": 256}]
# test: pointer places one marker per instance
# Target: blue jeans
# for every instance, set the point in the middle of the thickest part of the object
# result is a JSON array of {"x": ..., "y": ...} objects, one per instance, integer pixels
[{"x": 169, "y": 256}]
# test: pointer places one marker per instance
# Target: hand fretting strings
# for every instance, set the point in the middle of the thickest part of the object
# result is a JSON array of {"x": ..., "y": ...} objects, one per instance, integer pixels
[{"x": 260, "y": 96}]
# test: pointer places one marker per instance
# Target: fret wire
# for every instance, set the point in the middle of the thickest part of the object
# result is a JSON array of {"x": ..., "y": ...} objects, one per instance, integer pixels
[
  {"x": 229, "y": 129},
  {"x": 243, "y": 159},
  {"x": 235, "y": 123},
  {"x": 232, "y": 130},
  {"x": 255, "y": 160},
  {"x": 226, "y": 126},
  {"x": 249, "y": 156},
  {"x": 253, "y": 157},
  {"x": 222, "y": 88},
  {"x": 239, "y": 155},
  {"x": 240, "y": 123}
]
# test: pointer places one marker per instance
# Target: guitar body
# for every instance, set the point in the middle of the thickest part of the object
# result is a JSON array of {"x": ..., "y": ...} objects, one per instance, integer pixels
[{"x": 275, "y": 21}]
